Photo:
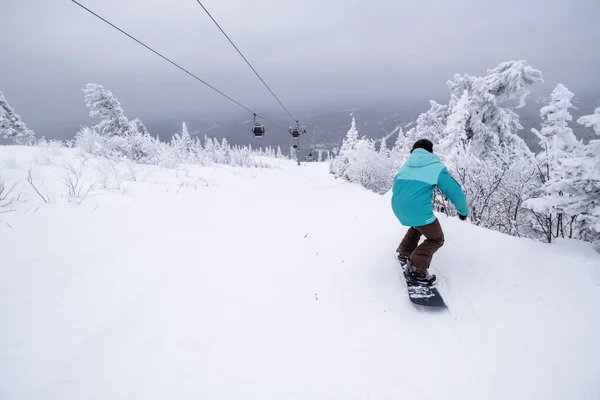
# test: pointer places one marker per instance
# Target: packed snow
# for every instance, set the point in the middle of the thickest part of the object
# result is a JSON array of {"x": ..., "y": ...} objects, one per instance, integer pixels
[{"x": 128, "y": 281}]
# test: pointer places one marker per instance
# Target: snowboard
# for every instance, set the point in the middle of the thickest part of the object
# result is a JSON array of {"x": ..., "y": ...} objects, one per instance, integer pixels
[{"x": 423, "y": 295}]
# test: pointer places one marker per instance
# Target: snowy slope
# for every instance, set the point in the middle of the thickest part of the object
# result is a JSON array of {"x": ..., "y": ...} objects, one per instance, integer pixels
[{"x": 280, "y": 283}]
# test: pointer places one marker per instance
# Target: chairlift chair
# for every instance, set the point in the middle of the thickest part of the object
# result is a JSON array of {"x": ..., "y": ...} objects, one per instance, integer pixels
[{"x": 258, "y": 130}]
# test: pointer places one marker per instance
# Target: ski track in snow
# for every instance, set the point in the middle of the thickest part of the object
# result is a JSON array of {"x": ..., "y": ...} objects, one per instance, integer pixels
[{"x": 275, "y": 284}]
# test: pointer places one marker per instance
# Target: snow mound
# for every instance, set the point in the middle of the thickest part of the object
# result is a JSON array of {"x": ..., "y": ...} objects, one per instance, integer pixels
[{"x": 279, "y": 283}]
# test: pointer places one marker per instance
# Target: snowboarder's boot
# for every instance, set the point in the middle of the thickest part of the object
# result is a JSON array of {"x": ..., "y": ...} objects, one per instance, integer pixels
[
  {"x": 413, "y": 276},
  {"x": 402, "y": 258}
]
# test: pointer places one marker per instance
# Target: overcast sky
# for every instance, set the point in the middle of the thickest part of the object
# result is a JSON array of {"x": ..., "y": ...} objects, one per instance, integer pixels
[{"x": 309, "y": 51}]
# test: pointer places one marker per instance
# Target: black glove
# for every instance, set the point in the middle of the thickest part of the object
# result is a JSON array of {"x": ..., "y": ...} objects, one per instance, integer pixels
[{"x": 462, "y": 217}]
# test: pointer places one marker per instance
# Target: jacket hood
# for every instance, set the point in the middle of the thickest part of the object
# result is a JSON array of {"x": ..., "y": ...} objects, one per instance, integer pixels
[{"x": 421, "y": 158}]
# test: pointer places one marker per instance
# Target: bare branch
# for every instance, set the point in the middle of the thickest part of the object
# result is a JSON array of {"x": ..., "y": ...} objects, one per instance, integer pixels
[
  {"x": 30, "y": 180},
  {"x": 6, "y": 197},
  {"x": 74, "y": 181}
]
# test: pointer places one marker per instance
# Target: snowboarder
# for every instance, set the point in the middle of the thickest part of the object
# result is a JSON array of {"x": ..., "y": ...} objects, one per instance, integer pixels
[{"x": 412, "y": 195}]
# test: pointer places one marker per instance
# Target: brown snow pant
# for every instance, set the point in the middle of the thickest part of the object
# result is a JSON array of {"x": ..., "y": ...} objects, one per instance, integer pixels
[{"x": 420, "y": 256}]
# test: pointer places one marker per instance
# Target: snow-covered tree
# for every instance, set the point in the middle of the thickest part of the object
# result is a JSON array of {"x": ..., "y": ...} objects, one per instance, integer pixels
[
  {"x": 339, "y": 165},
  {"x": 102, "y": 103},
  {"x": 430, "y": 125},
  {"x": 591, "y": 121},
  {"x": 558, "y": 143},
  {"x": 208, "y": 145},
  {"x": 581, "y": 186},
  {"x": 479, "y": 141},
  {"x": 279, "y": 153},
  {"x": 556, "y": 137},
  {"x": 115, "y": 136},
  {"x": 573, "y": 179},
  {"x": 368, "y": 167},
  {"x": 490, "y": 125},
  {"x": 383, "y": 149},
  {"x": 142, "y": 147},
  {"x": 137, "y": 145},
  {"x": 223, "y": 153},
  {"x": 12, "y": 126},
  {"x": 401, "y": 149},
  {"x": 582, "y": 181},
  {"x": 183, "y": 145},
  {"x": 454, "y": 135}
]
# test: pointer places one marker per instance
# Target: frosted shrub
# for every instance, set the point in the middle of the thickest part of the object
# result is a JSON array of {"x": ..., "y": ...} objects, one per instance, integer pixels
[
  {"x": 90, "y": 141},
  {"x": 368, "y": 168}
]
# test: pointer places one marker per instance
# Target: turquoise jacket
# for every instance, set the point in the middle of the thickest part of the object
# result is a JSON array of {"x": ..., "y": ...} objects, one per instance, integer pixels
[{"x": 412, "y": 190}]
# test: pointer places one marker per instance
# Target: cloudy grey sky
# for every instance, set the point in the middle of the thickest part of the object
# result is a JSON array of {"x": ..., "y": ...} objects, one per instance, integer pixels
[{"x": 310, "y": 52}]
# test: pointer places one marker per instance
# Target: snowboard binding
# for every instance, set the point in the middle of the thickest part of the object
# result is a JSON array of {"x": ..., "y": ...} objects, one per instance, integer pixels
[{"x": 412, "y": 276}]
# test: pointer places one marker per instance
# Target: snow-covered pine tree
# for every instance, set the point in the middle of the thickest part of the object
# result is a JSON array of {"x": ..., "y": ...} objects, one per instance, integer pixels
[
  {"x": 12, "y": 126},
  {"x": 224, "y": 153},
  {"x": 357, "y": 161},
  {"x": 209, "y": 150},
  {"x": 217, "y": 152},
  {"x": 339, "y": 164},
  {"x": 280, "y": 153},
  {"x": 582, "y": 179},
  {"x": 430, "y": 124},
  {"x": 489, "y": 124},
  {"x": 383, "y": 149},
  {"x": 454, "y": 135},
  {"x": 139, "y": 127},
  {"x": 401, "y": 149},
  {"x": 581, "y": 186},
  {"x": 556, "y": 137},
  {"x": 142, "y": 147},
  {"x": 452, "y": 147},
  {"x": 182, "y": 145},
  {"x": 198, "y": 151},
  {"x": 385, "y": 166},
  {"x": 102, "y": 103},
  {"x": 558, "y": 144}
]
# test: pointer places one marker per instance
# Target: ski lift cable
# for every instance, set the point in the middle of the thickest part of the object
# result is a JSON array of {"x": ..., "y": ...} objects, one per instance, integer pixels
[
  {"x": 247, "y": 62},
  {"x": 175, "y": 64}
]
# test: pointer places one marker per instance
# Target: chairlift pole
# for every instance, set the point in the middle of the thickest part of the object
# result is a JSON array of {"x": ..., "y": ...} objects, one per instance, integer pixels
[
  {"x": 298, "y": 143},
  {"x": 296, "y": 140}
]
